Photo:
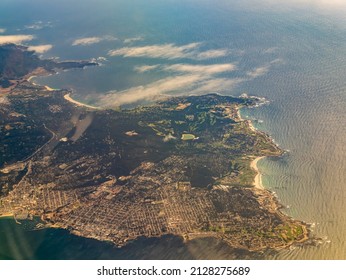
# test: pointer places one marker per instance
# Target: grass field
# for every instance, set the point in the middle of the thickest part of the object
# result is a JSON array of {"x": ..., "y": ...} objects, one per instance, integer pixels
[{"x": 187, "y": 136}]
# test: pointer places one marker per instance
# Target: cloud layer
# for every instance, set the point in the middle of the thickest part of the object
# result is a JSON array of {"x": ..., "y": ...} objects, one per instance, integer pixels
[
  {"x": 201, "y": 69},
  {"x": 91, "y": 40},
  {"x": 188, "y": 68},
  {"x": 194, "y": 79},
  {"x": 15, "y": 39},
  {"x": 146, "y": 68},
  {"x": 133, "y": 39},
  {"x": 212, "y": 54},
  {"x": 257, "y": 72},
  {"x": 86, "y": 41},
  {"x": 37, "y": 25},
  {"x": 169, "y": 51},
  {"x": 191, "y": 84},
  {"x": 181, "y": 78},
  {"x": 40, "y": 48}
]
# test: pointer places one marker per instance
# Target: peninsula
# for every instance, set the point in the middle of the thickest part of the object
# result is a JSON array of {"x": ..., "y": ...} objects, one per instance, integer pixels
[{"x": 181, "y": 166}]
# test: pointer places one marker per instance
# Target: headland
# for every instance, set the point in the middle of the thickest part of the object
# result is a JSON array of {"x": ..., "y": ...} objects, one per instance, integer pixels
[{"x": 79, "y": 168}]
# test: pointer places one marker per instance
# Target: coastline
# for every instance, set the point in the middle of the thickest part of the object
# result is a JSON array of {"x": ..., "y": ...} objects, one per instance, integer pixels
[
  {"x": 66, "y": 96},
  {"x": 7, "y": 215},
  {"x": 258, "y": 178},
  {"x": 70, "y": 99},
  {"x": 259, "y": 189},
  {"x": 265, "y": 199},
  {"x": 49, "y": 88},
  {"x": 30, "y": 78}
]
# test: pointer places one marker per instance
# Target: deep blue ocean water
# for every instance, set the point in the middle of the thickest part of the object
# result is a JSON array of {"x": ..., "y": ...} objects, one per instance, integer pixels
[{"x": 292, "y": 54}]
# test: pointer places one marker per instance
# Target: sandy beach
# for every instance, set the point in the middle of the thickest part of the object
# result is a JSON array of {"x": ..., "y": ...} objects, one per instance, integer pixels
[
  {"x": 258, "y": 177},
  {"x": 6, "y": 215},
  {"x": 67, "y": 96},
  {"x": 70, "y": 99},
  {"x": 31, "y": 77},
  {"x": 251, "y": 126},
  {"x": 253, "y": 164},
  {"x": 49, "y": 88}
]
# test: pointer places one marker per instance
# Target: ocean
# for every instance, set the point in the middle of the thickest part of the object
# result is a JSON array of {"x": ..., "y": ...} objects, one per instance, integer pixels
[{"x": 292, "y": 54}]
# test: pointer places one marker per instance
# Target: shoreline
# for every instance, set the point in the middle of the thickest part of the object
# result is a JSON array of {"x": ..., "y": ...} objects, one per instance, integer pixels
[
  {"x": 259, "y": 188},
  {"x": 49, "y": 88},
  {"x": 7, "y": 215},
  {"x": 70, "y": 99},
  {"x": 42, "y": 72},
  {"x": 264, "y": 197},
  {"x": 45, "y": 86},
  {"x": 30, "y": 78},
  {"x": 66, "y": 96},
  {"x": 258, "y": 178}
]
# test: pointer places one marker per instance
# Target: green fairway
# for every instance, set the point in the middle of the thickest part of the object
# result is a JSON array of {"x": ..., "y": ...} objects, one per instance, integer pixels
[{"x": 187, "y": 136}]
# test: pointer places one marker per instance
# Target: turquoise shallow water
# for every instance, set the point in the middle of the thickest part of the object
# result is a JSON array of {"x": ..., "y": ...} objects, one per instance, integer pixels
[{"x": 294, "y": 56}]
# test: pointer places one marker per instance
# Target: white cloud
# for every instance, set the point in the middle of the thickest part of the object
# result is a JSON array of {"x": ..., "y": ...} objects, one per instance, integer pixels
[
  {"x": 260, "y": 71},
  {"x": 212, "y": 54},
  {"x": 38, "y": 25},
  {"x": 216, "y": 85},
  {"x": 189, "y": 68},
  {"x": 92, "y": 40},
  {"x": 190, "y": 79},
  {"x": 178, "y": 85},
  {"x": 15, "y": 39},
  {"x": 146, "y": 68},
  {"x": 40, "y": 48},
  {"x": 2, "y": 30},
  {"x": 184, "y": 78},
  {"x": 133, "y": 39},
  {"x": 86, "y": 41},
  {"x": 168, "y": 51},
  {"x": 151, "y": 91},
  {"x": 201, "y": 69}
]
